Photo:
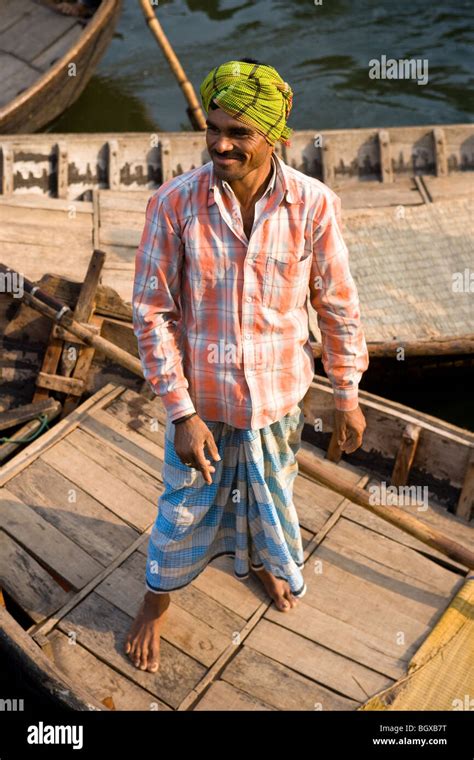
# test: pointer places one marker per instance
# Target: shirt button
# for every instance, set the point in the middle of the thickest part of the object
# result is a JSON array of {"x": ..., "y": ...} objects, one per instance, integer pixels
[
  {"x": 248, "y": 336},
  {"x": 248, "y": 299}
]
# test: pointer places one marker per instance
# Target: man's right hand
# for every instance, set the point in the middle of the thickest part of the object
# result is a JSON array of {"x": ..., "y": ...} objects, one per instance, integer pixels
[{"x": 189, "y": 440}]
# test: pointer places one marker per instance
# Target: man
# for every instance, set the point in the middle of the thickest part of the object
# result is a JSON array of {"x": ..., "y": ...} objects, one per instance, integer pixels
[{"x": 222, "y": 273}]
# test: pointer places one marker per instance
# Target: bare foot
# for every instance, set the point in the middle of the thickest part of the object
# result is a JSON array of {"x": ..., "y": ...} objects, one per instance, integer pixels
[
  {"x": 74, "y": 9},
  {"x": 278, "y": 590},
  {"x": 143, "y": 640}
]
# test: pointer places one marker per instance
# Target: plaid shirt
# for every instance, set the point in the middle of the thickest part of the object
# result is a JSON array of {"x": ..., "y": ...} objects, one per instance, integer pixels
[{"x": 221, "y": 321}]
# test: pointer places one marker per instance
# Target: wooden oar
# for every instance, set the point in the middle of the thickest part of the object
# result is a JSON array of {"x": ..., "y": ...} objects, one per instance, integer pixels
[
  {"x": 329, "y": 474},
  {"x": 194, "y": 111}
]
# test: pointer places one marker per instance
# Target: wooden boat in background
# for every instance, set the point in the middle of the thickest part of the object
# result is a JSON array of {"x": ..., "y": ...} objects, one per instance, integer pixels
[
  {"x": 408, "y": 217},
  {"x": 38, "y": 47}
]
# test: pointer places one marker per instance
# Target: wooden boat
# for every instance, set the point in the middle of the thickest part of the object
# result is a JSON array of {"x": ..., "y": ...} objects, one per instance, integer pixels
[
  {"x": 47, "y": 60},
  {"x": 415, "y": 216},
  {"x": 82, "y": 562}
]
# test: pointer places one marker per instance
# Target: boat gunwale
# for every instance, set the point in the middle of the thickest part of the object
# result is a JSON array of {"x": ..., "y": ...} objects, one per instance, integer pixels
[{"x": 104, "y": 15}]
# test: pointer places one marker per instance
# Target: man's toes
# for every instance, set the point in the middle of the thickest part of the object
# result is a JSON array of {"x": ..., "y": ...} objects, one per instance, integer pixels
[
  {"x": 153, "y": 666},
  {"x": 282, "y": 603}
]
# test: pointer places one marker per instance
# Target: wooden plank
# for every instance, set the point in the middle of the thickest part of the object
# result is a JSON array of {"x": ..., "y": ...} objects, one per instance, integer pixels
[
  {"x": 262, "y": 678},
  {"x": 113, "y": 170},
  {"x": 62, "y": 170},
  {"x": 20, "y": 414},
  {"x": 465, "y": 505},
  {"x": 102, "y": 629},
  {"x": 441, "y": 159},
  {"x": 57, "y": 49},
  {"x": 118, "y": 466},
  {"x": 405, "y": 455},
  {"x": 119, "y": 442},
  {"x": 152, "y": 428},
  {"x": 385, "y": 156},
  {"x": 70, "y": 239},
  {"x": 376, "y": 524},
  {"x": 30, "y": 585},
  {"x": 347, "y": 590},
  {"x": 223, "y": 696},
  {"x": 328, "y": 159},
  {"x": 219, "y": 582},
  {"x": 392, "y": 565},
  {"x": 113, "y": 493},
  {"x": 342, "y": 638},
  {"x": 72, "y": 511},
  {"x": 45, "y": 542},
  {"x": 80, "y": 666},
  {"x": 446, "y": 188},
  {"x": 338, "y": 673},
  {"x": 36, "y": 448},
  {"x": 367, "y": 195},
  {"x": 34, "y": 31},
  {"x": 17, "y": 76},
  {"x": 60, "y": 383},
  {"x": 181, "y": 628},
  {"x": 442, "y": 451},
  {"x": 7, "y": 170},
  {"x": 12, "y": 12}
]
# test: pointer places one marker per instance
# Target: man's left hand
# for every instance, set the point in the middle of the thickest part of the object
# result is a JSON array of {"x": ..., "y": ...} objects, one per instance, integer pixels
[{"x": 349, "y": 428}]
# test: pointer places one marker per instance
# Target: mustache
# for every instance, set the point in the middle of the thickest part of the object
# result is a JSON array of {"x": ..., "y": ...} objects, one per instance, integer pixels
[{"x": 220, "y": 155}]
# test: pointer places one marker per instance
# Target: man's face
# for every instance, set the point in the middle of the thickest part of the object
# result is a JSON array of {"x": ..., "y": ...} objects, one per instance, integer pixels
[{"x": 234, "y": 147}]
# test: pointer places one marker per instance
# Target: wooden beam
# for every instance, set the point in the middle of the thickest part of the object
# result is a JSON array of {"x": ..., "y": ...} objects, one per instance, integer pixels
[
  {"x": 112, "y": 352},
  {"x": 463, "y": 344},
  {"x": 386, "y": 173},
  {"x": 327, "y": 161},
  {"x": 329, "y": 475},
  {"x": 27, "y": 657},
  {"x": 7, "y": 170},
  {"x": 440, "y": 152},
  {"x": 465, "y": 504},
  {"x": 24, "y": 413},
  {"x": 113, "y": 167},
  {"x": 60, "y": 383},
  {"x": 405, "y": 455},
  {"x": 165, "y": 155},
  {"x": 17, "y": 438},
  {"x": 62, "y": 170}
]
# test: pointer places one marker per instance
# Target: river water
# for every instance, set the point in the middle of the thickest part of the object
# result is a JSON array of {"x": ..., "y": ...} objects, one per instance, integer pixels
[{"x": 323, "y": 51}]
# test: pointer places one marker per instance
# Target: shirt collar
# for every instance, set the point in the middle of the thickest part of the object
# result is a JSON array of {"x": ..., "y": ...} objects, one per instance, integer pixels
[{"x": 289, "y": 185}]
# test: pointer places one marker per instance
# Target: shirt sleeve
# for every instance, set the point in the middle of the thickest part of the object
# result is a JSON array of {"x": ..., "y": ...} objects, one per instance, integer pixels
[
  {"x": 157, "y": 321},
  {"x": 334, "y": 297}
]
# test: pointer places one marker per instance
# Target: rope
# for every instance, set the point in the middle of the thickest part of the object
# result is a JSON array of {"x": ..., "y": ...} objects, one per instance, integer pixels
[{"x": 43, "y": 418}]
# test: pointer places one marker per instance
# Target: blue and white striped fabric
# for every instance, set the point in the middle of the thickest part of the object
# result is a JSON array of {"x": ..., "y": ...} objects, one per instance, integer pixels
[{"x": 247, "y": 512}]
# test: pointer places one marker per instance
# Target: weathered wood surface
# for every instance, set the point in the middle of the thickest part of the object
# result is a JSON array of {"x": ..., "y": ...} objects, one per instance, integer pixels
[
  {"x": 339, "y": 157},
  {"x": 372, "y": 597}
]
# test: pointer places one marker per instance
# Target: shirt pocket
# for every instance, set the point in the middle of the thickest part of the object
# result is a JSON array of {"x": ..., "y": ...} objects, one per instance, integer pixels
[{"x": 286, "y": 281}]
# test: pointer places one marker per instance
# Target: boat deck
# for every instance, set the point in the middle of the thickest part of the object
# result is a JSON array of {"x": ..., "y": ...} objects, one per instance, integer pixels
[
  {"x": 32, "y": 38},
  {"x": 77, "y": 508}
]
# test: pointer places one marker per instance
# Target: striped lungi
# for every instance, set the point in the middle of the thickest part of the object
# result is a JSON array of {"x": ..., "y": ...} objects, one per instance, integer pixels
[{"x": 247, "y": 512}]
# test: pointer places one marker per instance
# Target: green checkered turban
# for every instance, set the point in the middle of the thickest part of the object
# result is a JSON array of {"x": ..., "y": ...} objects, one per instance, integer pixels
[{"x": 252, "y": 93}]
